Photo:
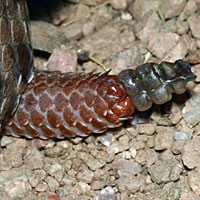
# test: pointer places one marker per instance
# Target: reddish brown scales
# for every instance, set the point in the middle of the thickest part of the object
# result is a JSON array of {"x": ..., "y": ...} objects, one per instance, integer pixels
[{"x": 66, "y": 105}]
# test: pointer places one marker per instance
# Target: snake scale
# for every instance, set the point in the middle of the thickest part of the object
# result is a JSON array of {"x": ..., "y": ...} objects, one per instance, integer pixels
[{"x": 56, "y": 105}]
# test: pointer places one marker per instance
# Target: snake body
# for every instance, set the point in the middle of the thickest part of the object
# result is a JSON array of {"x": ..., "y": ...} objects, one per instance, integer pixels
[
  {"x": 16, "y": 61},
  {"x": 57, "y": 105}
]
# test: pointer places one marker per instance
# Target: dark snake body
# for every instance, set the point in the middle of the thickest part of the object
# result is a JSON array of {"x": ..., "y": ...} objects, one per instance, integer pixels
[
  {"x": 56, "y": 105},
  {"x": 16, "y": 60}
]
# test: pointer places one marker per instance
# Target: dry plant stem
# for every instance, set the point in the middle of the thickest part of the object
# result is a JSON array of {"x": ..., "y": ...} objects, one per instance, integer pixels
[
  {"x": 86, "y": 13},
  {"x": 104, "y": 67}
]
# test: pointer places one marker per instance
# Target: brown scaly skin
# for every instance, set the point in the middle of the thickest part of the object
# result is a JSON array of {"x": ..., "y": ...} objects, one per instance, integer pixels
[
  {"x": 16, "y": 60},
  {"x": 66, "y": 105},
  {"x": 56, "y": 105}
]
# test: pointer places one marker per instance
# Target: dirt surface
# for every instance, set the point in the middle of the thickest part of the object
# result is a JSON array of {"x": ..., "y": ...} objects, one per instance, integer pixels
[{"x": 154, "y": 156}]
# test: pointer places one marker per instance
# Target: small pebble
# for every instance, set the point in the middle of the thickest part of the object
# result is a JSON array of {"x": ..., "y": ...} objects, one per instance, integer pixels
[{"x": 191, "y": 111}]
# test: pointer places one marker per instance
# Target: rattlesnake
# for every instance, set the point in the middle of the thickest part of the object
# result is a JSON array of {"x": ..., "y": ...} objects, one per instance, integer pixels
[{"x": 53, "y": 104}]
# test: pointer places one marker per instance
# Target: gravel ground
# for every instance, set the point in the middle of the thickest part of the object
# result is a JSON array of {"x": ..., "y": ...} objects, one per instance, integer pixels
[{"x": 154, "y": 156}]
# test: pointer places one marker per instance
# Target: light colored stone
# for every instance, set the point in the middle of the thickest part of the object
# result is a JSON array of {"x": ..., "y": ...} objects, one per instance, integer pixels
[
  {"x": 194, "y": 23},
  {"x": 164, "y": 139}
]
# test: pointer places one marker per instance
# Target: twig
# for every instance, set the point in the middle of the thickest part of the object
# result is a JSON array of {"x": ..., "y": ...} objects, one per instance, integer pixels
[{"x": 86, "y": 13}]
